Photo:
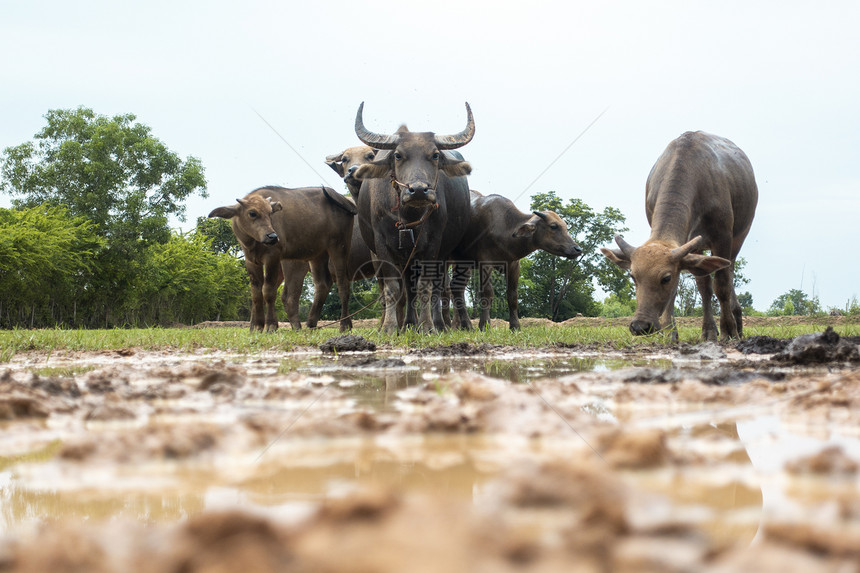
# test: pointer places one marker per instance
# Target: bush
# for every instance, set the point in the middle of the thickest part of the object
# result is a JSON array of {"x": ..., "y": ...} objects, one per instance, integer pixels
[
  {"x": 184, "y": 280},
  {"x": 46, "y": 260}
]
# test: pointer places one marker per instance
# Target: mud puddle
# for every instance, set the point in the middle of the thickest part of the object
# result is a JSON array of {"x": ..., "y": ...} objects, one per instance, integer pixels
[{"x": 695, "y": 458}]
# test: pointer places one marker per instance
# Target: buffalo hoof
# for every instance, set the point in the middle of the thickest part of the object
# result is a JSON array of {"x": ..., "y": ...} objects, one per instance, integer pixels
[
  {"x": 346, "y": 324},
  {"x": 709, "y": 335}
]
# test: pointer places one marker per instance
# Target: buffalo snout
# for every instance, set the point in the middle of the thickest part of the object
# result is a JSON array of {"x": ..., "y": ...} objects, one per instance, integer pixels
[
  {"x": 641, "y": 327},
  {"x": 419, "y": 193},
  {"x": 271, "y": 239},
  {"x": 574, "y": 252}
]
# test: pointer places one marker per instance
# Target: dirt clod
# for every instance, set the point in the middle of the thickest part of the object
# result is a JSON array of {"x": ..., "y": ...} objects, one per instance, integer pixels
[
  {"x": 762, "y": 345},
  {"x": 639, "y": 449},
  {"x": 20, "y": 406},
  {"x": 347, "y": 343},
  {"x": 828, "y": 461},
  {"x": 456, "y": 349},
  {"x": 704, "y": 351},
  {"x": 819, "y": 348}
]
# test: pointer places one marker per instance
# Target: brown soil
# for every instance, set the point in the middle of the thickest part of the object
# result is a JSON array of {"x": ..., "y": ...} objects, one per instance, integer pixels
[{"x": 165, "y": 461}]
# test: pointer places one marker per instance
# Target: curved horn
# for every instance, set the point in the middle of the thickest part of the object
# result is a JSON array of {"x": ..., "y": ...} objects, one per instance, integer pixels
[
  {"x": 541, "y": 215},
  {"x": 625, "y": 247},
  {"x": 460, "y": 139},
  {"x": 375, "y": 140},
  {"x": 676, "y": 255}
]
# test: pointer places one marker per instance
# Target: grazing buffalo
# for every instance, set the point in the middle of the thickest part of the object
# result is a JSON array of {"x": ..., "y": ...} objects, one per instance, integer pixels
[
  {"x": 701, "y": 194},
  {"x": 413, "y": 210},
  {"x": 499, "y": 235},
  {"x": 275, "y": 225}
]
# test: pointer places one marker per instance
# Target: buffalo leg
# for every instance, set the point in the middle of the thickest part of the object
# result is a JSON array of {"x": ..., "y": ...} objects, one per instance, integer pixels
[
  {"x": 410, "y": 284},
  {"x": 271, "y": 282},
  {"x": 322, "y": 286},
  {"x": 706, "y": 290},
  {"x": 343, "y": 285},
  {"x": 400, "y": 310},
  {"x": 730, "y": 308},
  {"x": 258, "y": 309},
  {"x": 391, "y": 295},
  {"x": 436, "y": 273},
  {"x": 486, "y": 274},
  {"x": 459, "y": 279},
  {"x": 445, "y": 299},
  {"x": 424, "y": 290},
  {"x": 513, "y": 276},
  {"x": 294, "y": 279},
  {"x": 667, "y": 319}
]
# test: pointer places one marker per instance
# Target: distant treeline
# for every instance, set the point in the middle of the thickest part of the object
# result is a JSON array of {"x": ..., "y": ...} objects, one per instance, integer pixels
[{"x": 56, "y": 270}]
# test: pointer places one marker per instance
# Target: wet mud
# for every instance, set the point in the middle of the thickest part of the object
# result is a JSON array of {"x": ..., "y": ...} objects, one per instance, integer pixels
[{"x": 469, "y": 457}]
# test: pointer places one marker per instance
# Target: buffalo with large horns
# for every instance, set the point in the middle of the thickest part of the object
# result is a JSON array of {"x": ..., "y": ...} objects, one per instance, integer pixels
[{"x": 413, "y": 210}]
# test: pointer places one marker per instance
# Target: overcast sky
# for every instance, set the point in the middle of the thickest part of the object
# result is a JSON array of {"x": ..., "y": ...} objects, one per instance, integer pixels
[{"x": 230, "y": 82}]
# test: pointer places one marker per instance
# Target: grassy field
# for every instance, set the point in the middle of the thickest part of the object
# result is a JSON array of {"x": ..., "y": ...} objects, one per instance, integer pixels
[{"x": 536, "y": 334}]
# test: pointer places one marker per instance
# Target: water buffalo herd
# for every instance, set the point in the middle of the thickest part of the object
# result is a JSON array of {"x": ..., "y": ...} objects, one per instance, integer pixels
[{"x": 411, "y": 217}]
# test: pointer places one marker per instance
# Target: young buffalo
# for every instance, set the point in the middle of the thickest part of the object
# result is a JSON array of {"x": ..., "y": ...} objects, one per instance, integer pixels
[{"x": 275, "y": 225}]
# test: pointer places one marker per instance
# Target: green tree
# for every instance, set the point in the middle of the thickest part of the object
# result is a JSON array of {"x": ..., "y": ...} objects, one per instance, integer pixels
[
  {"x": 220, "y": 234},
  {"x": 114, "y": 173},
  {"x": 558, "y": 288},
  {"x": 794, "y": 302}
]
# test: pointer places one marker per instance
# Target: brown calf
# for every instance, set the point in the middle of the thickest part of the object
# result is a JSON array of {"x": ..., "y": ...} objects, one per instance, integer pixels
[{"x": 275, "y": 225}]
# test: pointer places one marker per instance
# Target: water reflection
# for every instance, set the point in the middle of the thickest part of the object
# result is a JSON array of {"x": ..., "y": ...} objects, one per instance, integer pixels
[
  {"x": 723, "y": 480},
  {"x": 22, "y": 507}
]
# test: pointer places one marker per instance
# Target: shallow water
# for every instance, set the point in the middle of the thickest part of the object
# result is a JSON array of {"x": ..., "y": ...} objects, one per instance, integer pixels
[{"x": 731, "y": 479}]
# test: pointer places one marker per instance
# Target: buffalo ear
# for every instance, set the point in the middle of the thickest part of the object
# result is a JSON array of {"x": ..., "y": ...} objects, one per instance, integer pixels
[
  {"x": 276, "y": 206},
  {"x": 527, "y": 229},
  {"x": 334, "y": 161},
  {"x": 453, "y": 167},
  {"x": 617, "y": 257},
  {"x": 702, "y": 265},
  {"x": 225, "y": 212},
  {"x": 375, "y": 170}
]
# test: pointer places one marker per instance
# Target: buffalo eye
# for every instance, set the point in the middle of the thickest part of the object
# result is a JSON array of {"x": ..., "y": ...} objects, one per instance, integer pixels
[
  {"x": 252, "y": 214},
  {"x": 435, "y": 156},
  {"x": 666, "y": 279},
  {"x": 553, "y": 226},
  {"x": 369, "y": 157},
  {"x": 398, "y": 156}
]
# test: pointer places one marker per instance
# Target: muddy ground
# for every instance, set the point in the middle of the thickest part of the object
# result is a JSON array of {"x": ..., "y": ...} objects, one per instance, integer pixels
[{"x": 711, "y": 457}]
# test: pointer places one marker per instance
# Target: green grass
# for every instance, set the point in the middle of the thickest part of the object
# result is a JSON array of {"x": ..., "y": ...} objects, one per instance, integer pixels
[{"x": 239, "y": 340}]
